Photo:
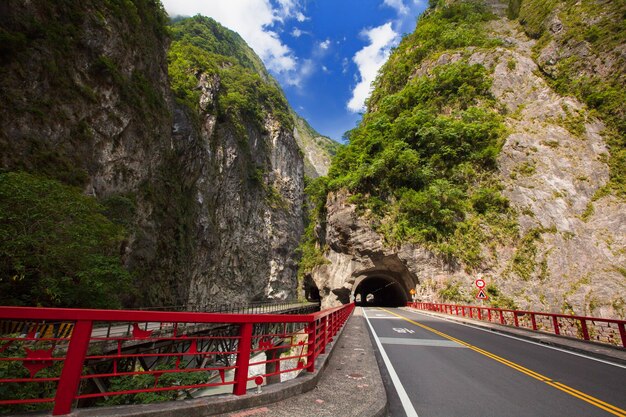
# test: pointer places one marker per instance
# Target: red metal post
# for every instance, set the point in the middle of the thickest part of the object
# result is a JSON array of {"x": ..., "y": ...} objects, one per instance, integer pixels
[
  {"x": 533, "y": 321},
  {"x": 555, "y": 322},
  {"x": 501, "y": 317},
  {"x": 323, "y": 333},
  {"x": 470, "y": 313},
  {"x": 622, "y": 333},
  {"x": 72, "y": 368},
  {"x": 515, "y": 319},
  {"x": 312, "y": 346},
  {"x": 243, "y": 359},
  {"x": 480, "y": 315},
  {"x": 583, "y": 327},
  {"x": 489, "y": 314}
]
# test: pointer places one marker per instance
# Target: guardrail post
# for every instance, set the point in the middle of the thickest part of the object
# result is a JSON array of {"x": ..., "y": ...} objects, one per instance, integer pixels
[
  {"x": 583, "y": 327},
  {"x": 311, "y": 347},
  {"x": 515, "y": 319},
  {"x": 324, "y": 333},
  {"x": 622, "y": 333},
  {"x": 533, "y": 321},
  {"x": 501, "y": 316},
  {"x": 489, "y": 314},
  {"x": 243, "y": 359},
  {"x": 555, "y": 322},
  {"x": 72, "y": 368},
  {"x": 480, "y": 313}
]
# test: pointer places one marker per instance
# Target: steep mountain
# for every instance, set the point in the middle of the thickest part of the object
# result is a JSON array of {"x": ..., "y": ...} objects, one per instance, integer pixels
[
  {"x": 493, "y": 147},
  {"x": 317, "y": 149},
  {"x": 177, "y": 135}
]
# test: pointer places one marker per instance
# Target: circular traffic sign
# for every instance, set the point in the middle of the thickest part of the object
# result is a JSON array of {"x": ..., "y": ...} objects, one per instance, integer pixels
[
  {"x": 258, "y": 380},
  {"x": 480, "y": 283}
]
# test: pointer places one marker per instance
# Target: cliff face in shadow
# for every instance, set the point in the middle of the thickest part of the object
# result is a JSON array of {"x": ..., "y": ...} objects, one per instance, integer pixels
[{"x": 183, "y": 138}]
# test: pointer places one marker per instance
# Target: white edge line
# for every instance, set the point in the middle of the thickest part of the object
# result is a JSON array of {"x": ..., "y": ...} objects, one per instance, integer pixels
[
  {"x": 522, "y": 339},
  {"x": 404, "y": 398}
]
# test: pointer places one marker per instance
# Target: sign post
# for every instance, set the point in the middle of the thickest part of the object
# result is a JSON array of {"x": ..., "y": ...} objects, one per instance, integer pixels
[{"x": 482, "y": 294}]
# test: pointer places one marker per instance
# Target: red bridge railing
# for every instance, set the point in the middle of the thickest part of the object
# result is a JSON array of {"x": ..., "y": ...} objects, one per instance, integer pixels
[
  {"x": 608, "y": 331},
  {"x": 54, "y": 358}
]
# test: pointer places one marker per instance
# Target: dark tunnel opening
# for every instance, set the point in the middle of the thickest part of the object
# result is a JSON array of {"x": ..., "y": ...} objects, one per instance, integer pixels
[{"x": 381, "y": 292}]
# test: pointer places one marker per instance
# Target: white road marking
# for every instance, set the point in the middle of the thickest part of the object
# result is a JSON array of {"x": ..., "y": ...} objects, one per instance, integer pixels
[
  {"x": 420, "y": 342},
  {"x": 403, "y": 330},
  {"x": 404, "y": 397},
  {"x": 522, "y": 340}
]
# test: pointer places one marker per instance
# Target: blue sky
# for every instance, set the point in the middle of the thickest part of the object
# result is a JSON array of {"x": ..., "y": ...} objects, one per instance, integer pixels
[{"x": 324, "y": 53}]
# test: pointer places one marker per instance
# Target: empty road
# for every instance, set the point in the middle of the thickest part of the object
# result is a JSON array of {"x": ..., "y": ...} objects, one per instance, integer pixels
[{"x": 439, "y": 368}]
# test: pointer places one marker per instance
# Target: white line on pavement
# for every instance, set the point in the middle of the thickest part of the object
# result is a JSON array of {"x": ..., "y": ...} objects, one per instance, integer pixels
[
  {"x": 521, "y": 339},
  {"x": 404, "y": 398}
]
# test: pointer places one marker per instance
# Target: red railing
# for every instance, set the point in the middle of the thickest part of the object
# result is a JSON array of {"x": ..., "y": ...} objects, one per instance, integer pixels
[
  {"x": 93, "y": 357},
  {"x": 609, "y": 331}
]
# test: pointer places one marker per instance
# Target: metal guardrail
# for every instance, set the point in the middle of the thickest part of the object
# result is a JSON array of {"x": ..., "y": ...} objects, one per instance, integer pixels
[
  {"x": 178, "y": 352},
  {"x": 601, "y": 330}
]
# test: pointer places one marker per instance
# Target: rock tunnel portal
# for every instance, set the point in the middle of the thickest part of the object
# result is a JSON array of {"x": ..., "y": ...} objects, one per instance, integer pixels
[{"x": 380, "y": 291}]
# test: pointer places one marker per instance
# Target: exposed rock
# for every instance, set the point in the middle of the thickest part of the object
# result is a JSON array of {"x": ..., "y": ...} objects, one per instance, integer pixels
[
  {"x": 552, "y": 163},
  {"x": 217, "y": 207},
  {"x": 317, "y": 149}
]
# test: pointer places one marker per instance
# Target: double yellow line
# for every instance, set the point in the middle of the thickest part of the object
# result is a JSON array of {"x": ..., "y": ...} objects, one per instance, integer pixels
[{"x": 562, "y": 387}]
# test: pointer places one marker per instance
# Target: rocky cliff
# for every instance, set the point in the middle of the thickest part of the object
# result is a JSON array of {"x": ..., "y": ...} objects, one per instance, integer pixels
[
  {"x": 483, "y": 155},
  {"x": 183, "y": 138},
  {"x": 317, "y": 149}
]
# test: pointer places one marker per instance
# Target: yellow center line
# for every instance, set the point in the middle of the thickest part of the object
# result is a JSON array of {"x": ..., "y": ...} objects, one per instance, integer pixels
[{"x": 561, "y": 387}]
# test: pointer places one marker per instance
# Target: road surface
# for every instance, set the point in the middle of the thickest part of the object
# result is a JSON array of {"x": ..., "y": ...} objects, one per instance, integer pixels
[{"x": 439, "y": 368}]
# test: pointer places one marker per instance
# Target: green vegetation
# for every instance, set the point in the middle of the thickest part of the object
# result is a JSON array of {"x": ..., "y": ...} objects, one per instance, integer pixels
[
  {"x": 524, "y": 262},
  {"x": 56, "y": 247},
  {"x": 41, "y": 85},
  {"x": 309, "y": 250},
  {"x": 441, "y": 28},
  {"x": 452, "y": 293},
  {"x": 244, "y": 89},
  {"x": 147, "y": 381},
  {"x": 602, "y": 31},
  {"x": 25, "y": 391},
  {"x": 423, "y": 162},
  {"x": 498, "y": 300}
]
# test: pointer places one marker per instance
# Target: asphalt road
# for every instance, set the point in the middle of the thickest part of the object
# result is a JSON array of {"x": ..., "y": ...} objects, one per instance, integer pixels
[{"x": 438, "y": 368}]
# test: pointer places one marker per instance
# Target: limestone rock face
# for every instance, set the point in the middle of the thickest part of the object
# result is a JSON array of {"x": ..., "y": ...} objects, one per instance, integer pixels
[
  {"x": 550, "y": 169},
  {"x": 317, "y": 149},
  {"x": 215, "y": 209}
]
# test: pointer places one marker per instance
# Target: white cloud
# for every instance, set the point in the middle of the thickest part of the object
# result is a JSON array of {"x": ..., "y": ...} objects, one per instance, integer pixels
[
  {"x": 253, "y": 20},
  {"x": 296, "y": 33},
  {"x": 301, "y": 17},
  {"x": 398, "y": 5},
  {"x": 344, "y": 65},
  {"x": 369, "y": 60},
  {"x": 325, "y": 44},
  {"x": 305, "y": 70}
]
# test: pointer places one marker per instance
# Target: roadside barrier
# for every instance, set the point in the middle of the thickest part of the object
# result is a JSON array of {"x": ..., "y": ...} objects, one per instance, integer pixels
[
  {"x": 62, "y": 357},
  {"x": 607, "y": 331}
]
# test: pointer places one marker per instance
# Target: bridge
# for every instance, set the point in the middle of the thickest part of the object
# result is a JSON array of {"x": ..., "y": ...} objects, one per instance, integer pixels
[{"x": 435, "y": 359}]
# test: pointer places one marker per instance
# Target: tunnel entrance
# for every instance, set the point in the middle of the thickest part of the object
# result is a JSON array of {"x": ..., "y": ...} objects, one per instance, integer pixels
[
  {"x": 380, "y": 291},
  {"x": 311, "y": 292}
]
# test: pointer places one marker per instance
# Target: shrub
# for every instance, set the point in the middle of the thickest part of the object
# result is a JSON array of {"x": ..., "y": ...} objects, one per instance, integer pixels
[{"x": 56, "y": 246}]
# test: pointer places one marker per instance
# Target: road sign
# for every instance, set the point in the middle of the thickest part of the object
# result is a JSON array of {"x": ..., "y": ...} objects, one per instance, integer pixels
[
  {"x": 480, "y": 283},
  {"x": 482, "y": 295}
]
